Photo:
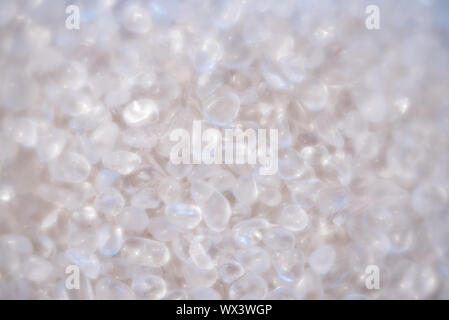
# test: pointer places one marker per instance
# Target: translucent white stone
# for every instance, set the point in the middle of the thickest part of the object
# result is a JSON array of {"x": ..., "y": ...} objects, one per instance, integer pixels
[
  {"x": 429, "y": 199},
  {"x": 145, "y": 198},
  {"x": 293, "y": 68},
  {"x": 196, "y": 277},
  {"x": 139, "y": 138},
  {"x": 294, "y": 218},
  {"x": 206, "y": 54},
  {"x": 37, "y": 269},
  {"x": 133, "y": 219},
  {"x": 123, "y": 162},
  {"x": 281, "y": 293},
  {"x": 205, "y": 294},
  {"x": 373, "y": 109},
  {"x": 203, "y": 252},
  {"x": 145, "y": 252},
  {"x": 161, "y": 229},
  {"x": 169, "y": 190},
  {"x": 85, "y": 260},
  {"x": 105, "y": 179},
  {"x": 110, "y": 240},
  {"x": 254, "y": 259},
  {"x": 246, "y": 190},
  {"x": 249, "y": 232},
  {"x": 183, "y": 215},
  {"x": 279, "y": 239},
  {"x": 18, "y": 92},
  {"x": 110, "y": 289},
  {"x": 149, "y": 286},
  {"x": 16, "y": 243},
  {"x": 314, "y": 95},
  {"x": 136, "y": 18},
  {"x": 6, "y": 193},
  {"x": 229, "y": 13},
  {"x": 71, "y": 167},
  {"x": 109, "y": 201},
  {"x": 223, "y": 109},
  {"x": 230, "y": 271},
  {"x": 21, "y": 130},
  {"x": 332, "y": 200},
  {"x": 322, "y": 259},
  {"x": 176, "y": 295},
  {"x": 216, "y": 211},
  {"x": 86, "y": 216},
  {"x": 248, "y": 287},
  {"x": 273, "y": 77},
  {"x": 140, "y": 112},
  {"x": 289, "y": 264},
  {"x": 51, "y": 144}
]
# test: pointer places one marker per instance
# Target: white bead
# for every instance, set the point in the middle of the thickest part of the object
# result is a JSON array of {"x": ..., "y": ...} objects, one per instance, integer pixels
[
  {"x": 322, "y": 259},
  {"x": 145, "y": 252}
]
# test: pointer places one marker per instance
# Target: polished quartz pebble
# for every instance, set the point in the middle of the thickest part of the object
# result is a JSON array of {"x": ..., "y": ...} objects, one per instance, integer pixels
[
  {"x": 139, "y": 112},
  {"x": 87, "y": 261},
  {"x": 110, "y": 202},
  {"x": 248, "y": 287},
  {"x": 249, "y": 232},
  {"x": 204, "y": 294},
  {"x": 314, "y": 95},
  {"x": 21, "y": 130},
  {"x": 245, "y": 190},
  {"x": 37, "y": 269},
  {"x": 149, "y": 286},
  {"x": 51, "y": 144},
  {"x": 322, "y": 259},
  {"x": 206, "y": 55},
  {"x": 216, "y": 211},
  {"x": 71, "y": 167},
  {"x": 6, "y": 193},
  {"x": 110, "y": 240},
  {"x": 123, "y": 162},
  {"x": 145, "y": 252},
  {"x": 428, "y": 198},
  {"x": 133, "y": 219},
  {"x": 223, "y": 109},
  {"x": 135, "y": 18},
  {"x": 161, "y": 229},
  {"x": 279, "y": 239},
  {"x": 203, "y": 252},
  {"x": 183, "y": 215},
  {"x": 293, "y": 218},
  {"x": 254, "y": 259},
  {"x": 288, "y": 264},
  {"x": 230, "y": 271},
  {"x": 145, "y": 198},
  {"x": 110, "y": 289},
  {"x": 196, "y": 277}
]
